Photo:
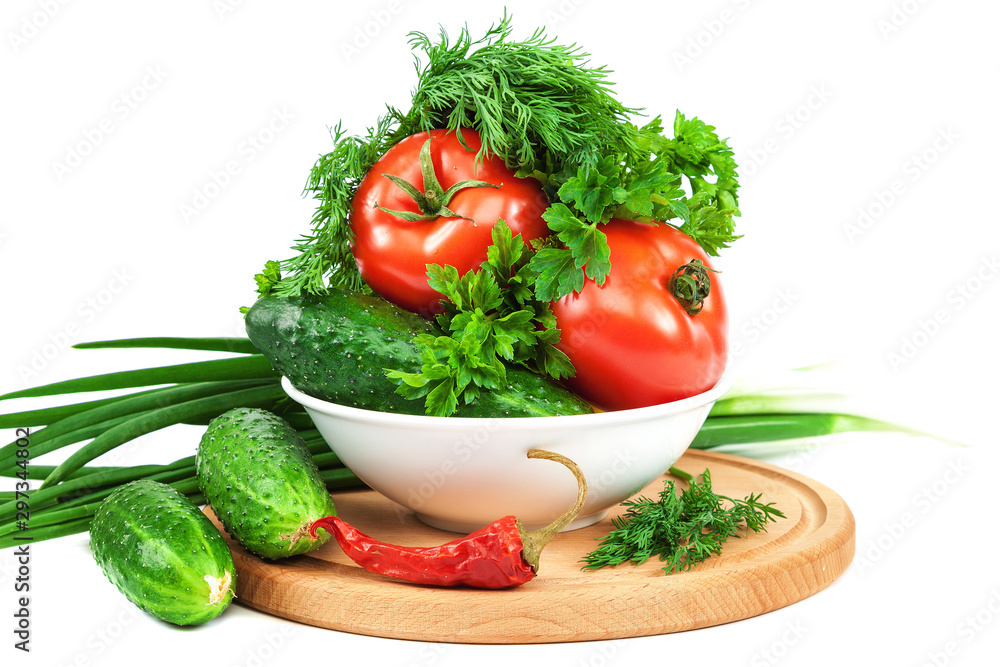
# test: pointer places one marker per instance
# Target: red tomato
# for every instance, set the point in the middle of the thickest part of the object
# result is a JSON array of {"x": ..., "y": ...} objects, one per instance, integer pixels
[
  {"x": 392, "y": 253},
  {"x": 631, "y": 341}
]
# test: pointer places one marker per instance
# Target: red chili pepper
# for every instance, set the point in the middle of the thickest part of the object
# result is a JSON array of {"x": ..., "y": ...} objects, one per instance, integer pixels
[{"x": 500, "y": 555}]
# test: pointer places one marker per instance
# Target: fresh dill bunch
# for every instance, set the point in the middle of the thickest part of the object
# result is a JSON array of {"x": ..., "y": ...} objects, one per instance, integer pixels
[
  {"x": 536, "y": 104},
  {"x": 682, "y": 529}
]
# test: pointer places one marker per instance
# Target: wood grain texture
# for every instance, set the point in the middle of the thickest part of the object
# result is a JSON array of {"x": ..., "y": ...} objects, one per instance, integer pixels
[{"x": 798, "y": 556}]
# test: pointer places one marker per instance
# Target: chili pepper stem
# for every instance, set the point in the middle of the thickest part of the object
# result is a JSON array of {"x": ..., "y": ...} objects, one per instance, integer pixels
[{"x": 535, "y": 540}]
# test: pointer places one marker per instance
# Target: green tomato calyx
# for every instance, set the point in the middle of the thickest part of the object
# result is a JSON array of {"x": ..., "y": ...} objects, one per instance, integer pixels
[{"x": 433, "y": 201}]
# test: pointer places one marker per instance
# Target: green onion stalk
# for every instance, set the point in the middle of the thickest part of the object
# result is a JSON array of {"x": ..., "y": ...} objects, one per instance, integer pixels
[{"x": 747, "y": 419}]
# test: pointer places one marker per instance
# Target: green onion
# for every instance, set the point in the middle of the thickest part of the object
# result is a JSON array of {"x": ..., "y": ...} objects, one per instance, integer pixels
[
  {"x": 250, "y": 367},
  {"x": 42, "y": 520},
  {"x": 130, "y": 405},
  {"x": 194, "y": 393},
  {"x": 73, "y": 516},
  {"x": 785, "y": 402},
  {"x": 44, "y": 416},
  {"x": 161, "y": 418},
  {"x": 45, "y": 533},
  {"x": 8, "y": 454},
  {"x": 183, "y": 476},
  {"x": 236, "y": 345},
  {"x": 754, "y": 418},
  {"x": 36, "y": 471},
  {"x": 340, "y": 478},
  {"x": 45, "y": 496},
  {"x": 747, "y": 428}
]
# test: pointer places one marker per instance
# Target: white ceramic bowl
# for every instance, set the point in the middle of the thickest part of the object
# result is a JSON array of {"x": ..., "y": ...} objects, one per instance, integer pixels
[{"x": 460, "y": 473}]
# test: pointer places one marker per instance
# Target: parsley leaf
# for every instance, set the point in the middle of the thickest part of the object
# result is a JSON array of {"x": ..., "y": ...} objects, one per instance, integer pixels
[
  {"x": 595, "y": 189},
  {"x": 491, "y": 317},
  {"x": 709, "y": 226},
  {"x": 557, "y": 272},
  {"x": 268, "y": 277},
  {"x": 562, "y": 270},
  {"x": 697, "y": 152},
  {"x": 644, "y": 183},
  {"x": 266, "y": 280},
  {"x": 654, "y": 192}
]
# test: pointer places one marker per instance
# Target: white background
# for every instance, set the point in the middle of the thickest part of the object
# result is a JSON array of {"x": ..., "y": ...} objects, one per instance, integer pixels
[{"x": 866, "y": 136}]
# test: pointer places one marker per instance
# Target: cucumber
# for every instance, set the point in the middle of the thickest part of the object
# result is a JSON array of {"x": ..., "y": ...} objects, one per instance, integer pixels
[
  {"x": 263, "y": 485},
  {"x": 337, "y": 347},
  {"x": 163, "y": 553}
]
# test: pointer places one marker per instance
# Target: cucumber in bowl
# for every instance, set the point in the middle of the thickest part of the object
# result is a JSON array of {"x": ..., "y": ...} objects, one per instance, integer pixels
[{"x": 337, "y": 347}]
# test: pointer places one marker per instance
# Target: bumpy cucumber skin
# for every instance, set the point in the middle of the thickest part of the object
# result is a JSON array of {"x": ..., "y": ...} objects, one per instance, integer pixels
[
  {"x": 157, "y": 548},
  {"x": 263, "y": 485},
  {"x": 336, "y": 347}
]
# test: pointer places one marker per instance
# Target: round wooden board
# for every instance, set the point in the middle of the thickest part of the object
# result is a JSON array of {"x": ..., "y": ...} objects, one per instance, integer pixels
[{"x": 798, "y": 556}]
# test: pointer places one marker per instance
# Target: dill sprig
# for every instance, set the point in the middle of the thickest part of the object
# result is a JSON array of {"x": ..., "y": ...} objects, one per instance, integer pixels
[
  {"x": 682, "y": 529},
  {"x": 324, "y": 256}
]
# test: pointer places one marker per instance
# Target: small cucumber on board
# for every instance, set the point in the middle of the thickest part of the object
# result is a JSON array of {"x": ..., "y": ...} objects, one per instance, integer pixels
[
  {"x": 337, "y": 347},
  {"x": 263, "y": 485},
  {"x": 163, "y": 553}
]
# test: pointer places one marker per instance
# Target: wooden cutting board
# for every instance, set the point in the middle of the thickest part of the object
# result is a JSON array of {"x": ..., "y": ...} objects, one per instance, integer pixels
[{"x": 798, "y": 556}]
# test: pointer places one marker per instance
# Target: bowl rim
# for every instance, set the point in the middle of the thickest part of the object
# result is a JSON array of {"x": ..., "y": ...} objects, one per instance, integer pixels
[{"x": 402, "y": 420}]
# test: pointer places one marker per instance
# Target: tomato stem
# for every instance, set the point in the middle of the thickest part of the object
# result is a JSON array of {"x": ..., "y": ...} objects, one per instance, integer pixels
[
  {"x": 690, "y": 285},
  {"x": 433, "y": 192},
  {"x": 433, "y": 201}
]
